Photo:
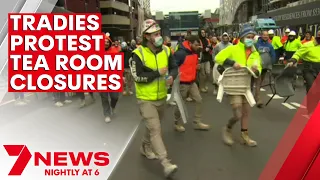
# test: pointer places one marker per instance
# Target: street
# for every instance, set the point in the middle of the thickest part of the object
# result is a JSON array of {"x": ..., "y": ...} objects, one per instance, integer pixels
[
  {"x": 199, "y": 155},
  {"x": 202, "y": 155}
]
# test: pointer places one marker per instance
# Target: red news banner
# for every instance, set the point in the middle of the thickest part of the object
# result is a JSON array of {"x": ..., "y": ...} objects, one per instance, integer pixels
[{"x": 61, "y": 53}]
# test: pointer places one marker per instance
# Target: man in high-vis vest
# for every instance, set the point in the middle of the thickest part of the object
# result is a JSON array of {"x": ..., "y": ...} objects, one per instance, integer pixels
[
  {"x": 153, "y": 68},
  {"x": 286, "y": 35},
  {"x": 292, "y": 45},
  {"x": 276, "y": 43},
  {"x": 309, "y": 53}
]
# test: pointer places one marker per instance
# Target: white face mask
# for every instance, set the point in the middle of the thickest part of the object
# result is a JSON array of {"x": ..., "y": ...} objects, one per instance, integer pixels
[
  {"x": 248, "y": 42},
  {"x": 158, "y": 41}
]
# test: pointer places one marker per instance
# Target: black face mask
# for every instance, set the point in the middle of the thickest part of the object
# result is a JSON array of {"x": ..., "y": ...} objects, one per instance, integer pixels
[
  {"x": 318, "y": 40},
  {"x": 169, "y": 44}
]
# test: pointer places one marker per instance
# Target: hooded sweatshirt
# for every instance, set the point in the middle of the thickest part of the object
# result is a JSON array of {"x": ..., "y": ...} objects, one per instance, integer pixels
[
  {"x": 266, "y": 47},
  {"x": 206, "y": 56},
  {"x": 127, "y": 53},
  {"x": 219, "y": 47},
  {"x": 111, "y": 49},
  {"x": 187, "y": 61}
]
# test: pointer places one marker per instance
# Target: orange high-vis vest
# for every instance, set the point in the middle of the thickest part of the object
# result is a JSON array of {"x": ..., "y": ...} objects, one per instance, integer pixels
[{"x": 188, "y": 69}]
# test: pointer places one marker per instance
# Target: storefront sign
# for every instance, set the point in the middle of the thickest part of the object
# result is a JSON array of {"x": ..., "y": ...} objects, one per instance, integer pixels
[
  {"x": 298, "y": 15},
  {"x": 302, "y": 14}
]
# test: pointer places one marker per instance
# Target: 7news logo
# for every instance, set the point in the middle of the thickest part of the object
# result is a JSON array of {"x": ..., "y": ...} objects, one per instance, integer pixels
[{"x": 57, "y": 159}]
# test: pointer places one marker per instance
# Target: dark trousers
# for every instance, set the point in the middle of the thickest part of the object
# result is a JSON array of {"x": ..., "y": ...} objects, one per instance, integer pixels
[
  {"x": 59, "y": 97},
  {"x": 81, "y": 95},
  {"x": 107, "y": 104},
  {"x": 278, "y": 54},
  {"x": 169, "y": 90},
  {"x": 310, "y": 73},
  {"x": 288, "y": 55}
]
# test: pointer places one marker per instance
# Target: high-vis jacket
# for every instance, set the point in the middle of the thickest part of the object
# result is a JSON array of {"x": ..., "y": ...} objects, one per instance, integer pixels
[
  {"x": 187, "y": 61},
  {"x": 306, "y": 41},
  {"x": 145, "y": 65},
  {"x": 292, "y": 46},
  {"x": 237, "y": 54},
  {"x": 276, "y": 43},
  {"x": 308, "y": 52}
]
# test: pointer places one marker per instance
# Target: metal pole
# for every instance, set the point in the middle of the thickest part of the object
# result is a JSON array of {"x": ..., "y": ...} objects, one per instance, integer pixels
[
  {"x": 86, "y": 5},
  {"x": 131, "y": 14}
]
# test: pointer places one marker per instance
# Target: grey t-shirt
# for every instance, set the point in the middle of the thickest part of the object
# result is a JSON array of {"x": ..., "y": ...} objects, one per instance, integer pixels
[{"x": 219, "y": 47}]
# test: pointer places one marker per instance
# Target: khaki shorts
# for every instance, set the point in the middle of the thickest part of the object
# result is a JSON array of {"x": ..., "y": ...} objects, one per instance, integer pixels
[{"x": 237, "y": 99}]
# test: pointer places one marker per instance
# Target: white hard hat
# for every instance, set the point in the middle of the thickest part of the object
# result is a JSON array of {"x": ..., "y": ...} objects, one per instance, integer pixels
[
  {"x": 292, "y": 33},
  {"x": 287, "y": 30},
  {"x": 225, "y": 34},
  {"x": 124, "y": 44},
  {"x": 271, "y": 32},
  {"x": 150, "y": 26}
]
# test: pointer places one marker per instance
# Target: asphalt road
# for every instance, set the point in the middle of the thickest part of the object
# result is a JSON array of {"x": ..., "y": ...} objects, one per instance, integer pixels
[
  {"x": 46, "y": 128},
  {"x": 199, "y": 155},
  {"x": 202, "y": 155}
]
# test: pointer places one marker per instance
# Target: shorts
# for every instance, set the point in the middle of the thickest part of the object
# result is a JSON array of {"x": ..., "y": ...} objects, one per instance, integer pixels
[{"x": 237, "y": 99}]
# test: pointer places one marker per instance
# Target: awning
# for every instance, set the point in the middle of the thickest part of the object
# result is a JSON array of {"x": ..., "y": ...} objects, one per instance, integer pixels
[
  {"x": 274, "y": 1},
  {"x": 57, "y": 9}
]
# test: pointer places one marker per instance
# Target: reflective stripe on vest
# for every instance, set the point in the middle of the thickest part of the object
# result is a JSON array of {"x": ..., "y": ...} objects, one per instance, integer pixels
[{"x": 157, "y": 89}]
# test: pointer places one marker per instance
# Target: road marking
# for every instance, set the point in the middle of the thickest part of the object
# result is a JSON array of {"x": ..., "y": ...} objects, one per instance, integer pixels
[
  {"x": 287, "y": 105},
  {"x": 298, "y": 105},
  {"x": 261, "y": 89},
  {"x": 275, "y": 97},
  {"x": 10, "y": 101}
]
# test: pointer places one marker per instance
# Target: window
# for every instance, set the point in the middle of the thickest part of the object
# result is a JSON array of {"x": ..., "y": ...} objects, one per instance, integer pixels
[
  {"x": 184, "y": 21},
  {"x": 97, "y": 3},
  {"x": 109, "y": 11}
]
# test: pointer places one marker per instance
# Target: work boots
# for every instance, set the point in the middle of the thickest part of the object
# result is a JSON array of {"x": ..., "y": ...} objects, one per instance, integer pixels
[
  {"x": 197, "y": 126},
  {"x": 200, "y": 126},
  {"x": 168, "y": 168},
  {"x": 259, "y": 101},
  {"x": 247, "y": 140},
  {"x": 179, "y": 128},
  {"x": 227, "y": 136}
]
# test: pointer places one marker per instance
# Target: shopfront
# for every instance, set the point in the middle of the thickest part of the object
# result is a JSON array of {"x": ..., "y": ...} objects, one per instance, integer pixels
[{"x": 299, "y": 18}]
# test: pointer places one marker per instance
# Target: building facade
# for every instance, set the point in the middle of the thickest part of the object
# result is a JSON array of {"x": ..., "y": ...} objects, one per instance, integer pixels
[
  {"x": 147, "y": 9},
  {"x": 180, "y": 22},
  {"x": 120, "y": 18},
  {"x": 140, "y": 21},
  {"x": 228, "y": 10},
  {"x": 116, "y": 18},
  {"x": 209, "y": 21},
  {"x": 298, "y": 15},
  {"x": 86, "y": 6}
]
